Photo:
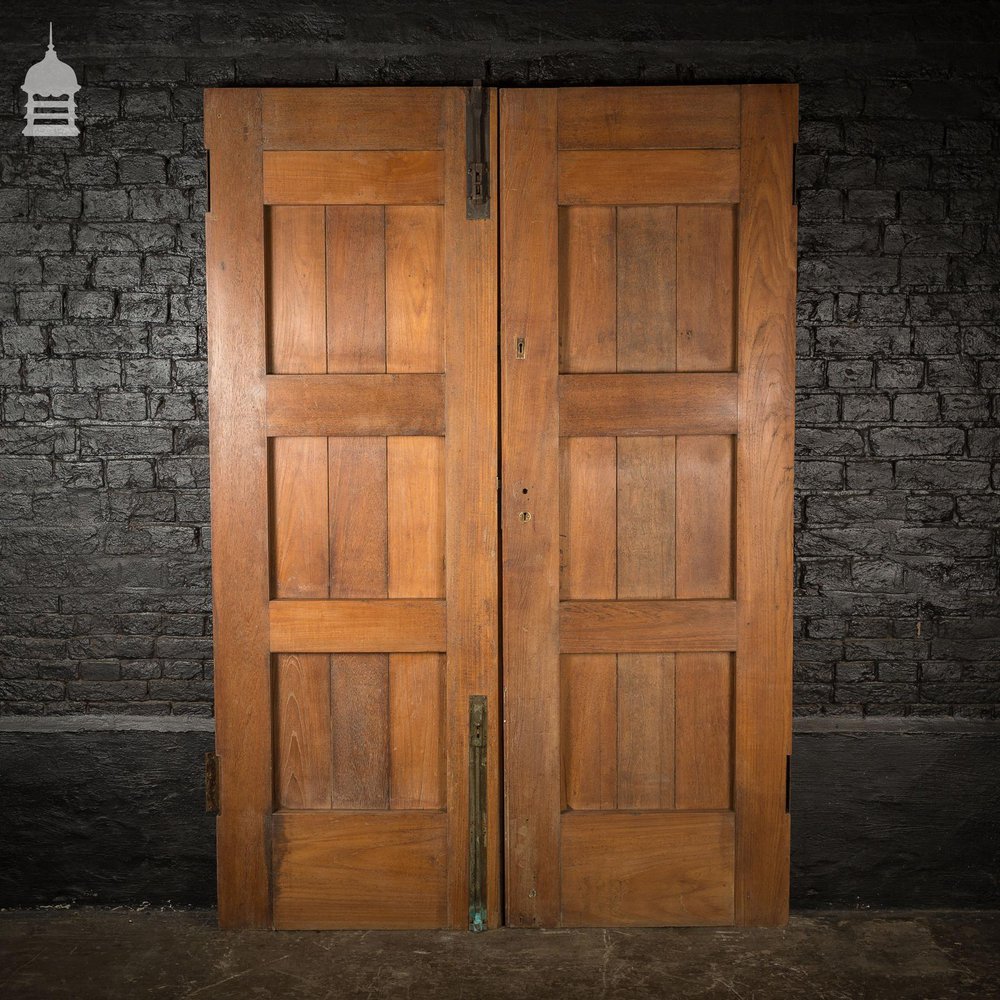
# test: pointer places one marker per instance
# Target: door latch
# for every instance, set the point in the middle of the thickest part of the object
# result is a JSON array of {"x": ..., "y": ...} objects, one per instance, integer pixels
[
  {"x": 477, "y": 812},
  {"x": 477, "y": 152}
]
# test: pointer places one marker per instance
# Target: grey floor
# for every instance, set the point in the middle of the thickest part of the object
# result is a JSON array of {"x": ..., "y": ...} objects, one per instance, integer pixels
[{"x": 92, "y": 953}]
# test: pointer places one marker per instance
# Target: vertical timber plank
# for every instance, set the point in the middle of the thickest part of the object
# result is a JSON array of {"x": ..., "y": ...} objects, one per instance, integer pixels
[
  {"x": 645, "y": 730},
  {"x": 587, "y": 501},
  {"x": 705, "y": 276},
  {"x": 647, "y": 289},
  {"x": 237, "y": 357},
  {"x": 704, "y": 516},
  {"x": 302, "y": 730},
  {"x": 416, "y": 516},
  {"x": 646, "y": 542},
  {"x": 765, "y": 446},
  {"x": 590, "y": 731},
  {"x": 415, "y": 280},
  {"x": 359, "y": 721},
  {"x": 296, "y": 302},
  {"x": 300, "y": 517},
  {"x": 587, "y": 288},
  {"x": 358, "y": 558},
  {"x": 704, "y": 699},
  {"x": 355, "y": 288},
  {"x": 529, "y": 427},
  {"x": 416, "y": 714},
  {"x": 470, "y": 503}
]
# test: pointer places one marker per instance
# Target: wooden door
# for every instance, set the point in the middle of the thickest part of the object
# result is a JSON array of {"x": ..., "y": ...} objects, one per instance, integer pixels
[
  {"x": 353, "y": 395},
  {"x": 647, "y": 350}
]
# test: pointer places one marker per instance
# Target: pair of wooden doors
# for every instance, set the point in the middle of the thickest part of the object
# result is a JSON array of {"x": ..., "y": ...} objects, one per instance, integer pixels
[{"x": 501, "y": 391}]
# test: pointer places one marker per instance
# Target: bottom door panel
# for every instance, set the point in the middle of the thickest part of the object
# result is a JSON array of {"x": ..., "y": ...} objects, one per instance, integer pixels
[
  {"x": 639, "y": 869},
  {"x": 357, "y": 870}
]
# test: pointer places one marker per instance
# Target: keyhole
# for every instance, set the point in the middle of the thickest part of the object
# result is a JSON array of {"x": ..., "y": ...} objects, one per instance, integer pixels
[{"x": 525, "y": 515}]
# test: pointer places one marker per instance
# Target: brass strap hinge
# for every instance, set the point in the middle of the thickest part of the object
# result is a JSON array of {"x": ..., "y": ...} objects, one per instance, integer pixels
[
  {"x": 788, "y": 782},
  {"x": 795, "y": 178},
  {"x": 477, "y": 152},
  {"x": 212, "y": 778},
  {"x": 477, "y": 812}
]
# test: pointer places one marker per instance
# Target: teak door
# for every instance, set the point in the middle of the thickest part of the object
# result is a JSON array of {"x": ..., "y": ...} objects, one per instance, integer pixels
[
  {"x": 638, "y": 292},
  {"x": 647, "y": 349},
  {"x": 352, "y": 325}
]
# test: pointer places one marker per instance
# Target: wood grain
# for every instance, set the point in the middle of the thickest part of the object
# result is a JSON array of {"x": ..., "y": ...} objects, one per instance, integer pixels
[
  {"x": 649, "y": 117},
  {"x": 647, "y": 289},
  {"x": 359, "y": 721},
  {"x": 296, "y": 314},
  {"x": 352, "y": 117},
  {"x": 704, "y": 730},
  {"x": 237, "y": 363},
  {"x": 645, "y": 731},
  {"x": 529, "y": 248},
  {"x": 587, "y": 252},
  {"x": 647, "y": 176},
  {"x": 299, "y": 517},
  {"x": 705, "y": 278},
  {"x": 646, "y": 540},
  {"x": 764, "y": 459},
  {"x": 365, "y": 405},
  {"x": 472, "y": 542},
  {"x": 647, "y": 869},
  {"x": 302, "y": 734},
  {"x": 416, "y": 517},
  {"x": 705, "y": 516},
  {"x": 416, "y": 737},
  {"x": 403, "y": 626},
  {"x": 358, "y": 870},
  {"x": 357, "y": 539},
  {"x": 355, "y": 288},
  {"x": 646, "y": 626},
  {"x": 415, "y": 289},
  {"x": 589, "y": 732},
  {"x": 355, "y": 177},
  {"x": 587, "y": 517},
  {"x": 647, "y": 404}
]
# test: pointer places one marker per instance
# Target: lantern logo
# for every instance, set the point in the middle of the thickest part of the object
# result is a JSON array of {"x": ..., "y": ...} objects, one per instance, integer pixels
[{"x": 51, "y": 88}]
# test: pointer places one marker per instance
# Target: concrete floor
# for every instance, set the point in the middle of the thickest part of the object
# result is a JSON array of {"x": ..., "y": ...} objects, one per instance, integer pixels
[{"x": 90, "y": 953}]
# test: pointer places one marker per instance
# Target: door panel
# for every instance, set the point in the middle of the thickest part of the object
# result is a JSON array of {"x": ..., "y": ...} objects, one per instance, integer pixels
[
  {"x": 646, "y": 261},
  {"x": 369, "y": 501},
  {"x": 647, "y": 347}
]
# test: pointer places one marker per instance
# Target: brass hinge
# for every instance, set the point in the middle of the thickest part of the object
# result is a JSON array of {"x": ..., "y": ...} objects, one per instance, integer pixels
[
  {"x": 212, "y": 778},
  {"x": 477, "y": 152},
  {"x": 795, "y": 179},
  {"x": 477, "y": 812},
  {"x": 788, "y": 782}
]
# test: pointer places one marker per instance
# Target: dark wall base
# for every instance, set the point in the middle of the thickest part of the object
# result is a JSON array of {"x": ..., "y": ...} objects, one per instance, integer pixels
[
  {"x": 896, "y": 813},
  {"x": 110, "y": 816},
  {"x": 885, "y": 814}
]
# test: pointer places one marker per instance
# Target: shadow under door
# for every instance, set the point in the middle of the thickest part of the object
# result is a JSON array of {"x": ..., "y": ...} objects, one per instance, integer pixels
[{"x": 501, "y": 389}]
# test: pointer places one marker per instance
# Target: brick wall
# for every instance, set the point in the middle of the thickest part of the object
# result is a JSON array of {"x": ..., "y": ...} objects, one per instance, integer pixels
[{"x": 104, "y": 537}]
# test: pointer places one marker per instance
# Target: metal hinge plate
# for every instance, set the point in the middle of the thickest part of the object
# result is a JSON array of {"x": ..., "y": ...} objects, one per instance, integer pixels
[
  {"x": 795, "y": 179},
  {"x": 477, "y": 152},
  {"x": 788, "y": 782},
  {"x": 477, "y": 812},
  {"x": 212, "y": 776}
]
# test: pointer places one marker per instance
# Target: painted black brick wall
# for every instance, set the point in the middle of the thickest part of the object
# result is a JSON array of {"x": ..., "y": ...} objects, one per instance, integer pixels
[{"x": 104, "y": 537}]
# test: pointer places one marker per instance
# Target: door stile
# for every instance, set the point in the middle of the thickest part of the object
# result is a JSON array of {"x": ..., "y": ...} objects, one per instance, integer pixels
[
  {"x": 529, "y": 502},
  {"x": 238, "y": 456},
  {"x": 765, "y": 455},
  {"x": 471, "y": 536}
]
